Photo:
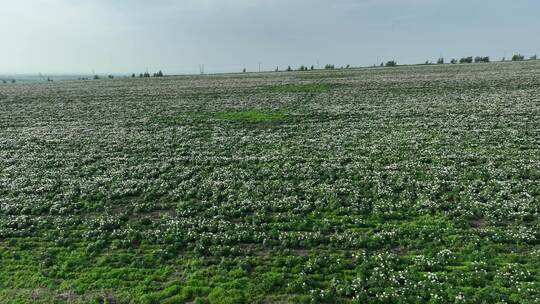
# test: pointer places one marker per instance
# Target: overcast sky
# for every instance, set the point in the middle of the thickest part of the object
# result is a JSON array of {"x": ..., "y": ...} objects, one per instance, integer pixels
[{"x": 124, "y": 36}]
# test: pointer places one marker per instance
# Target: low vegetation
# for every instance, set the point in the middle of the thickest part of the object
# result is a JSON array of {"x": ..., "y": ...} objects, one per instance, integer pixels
[{"x": 416, "y": 184}]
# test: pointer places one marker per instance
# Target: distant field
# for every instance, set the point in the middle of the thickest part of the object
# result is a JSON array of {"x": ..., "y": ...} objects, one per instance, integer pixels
[{"x": 385, "y": 185}]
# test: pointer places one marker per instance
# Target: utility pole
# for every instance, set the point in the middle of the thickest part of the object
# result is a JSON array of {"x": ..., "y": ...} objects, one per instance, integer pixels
[{"x": 259, "y": 66}]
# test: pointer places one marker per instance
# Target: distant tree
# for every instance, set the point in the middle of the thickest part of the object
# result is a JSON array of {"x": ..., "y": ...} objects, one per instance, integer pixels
[
  {"x": 312, "y": 68},
  {"x": 243, "y": 70},
  {"x": 453, "y": 61},
  {"x": 146, "y": 74},
  {"x": 110, "y": 76},
  {"x": 289, "y": 68},
  {"x": 503, "y": 59},
  {"x": 329, "y": 67},
  {"x": 13, "y": 80},
  {"x": 348, "y": 66},
  {"x": 440, "y": 60},
  {"x": 158, "y": 74},
  {"x": 141, "y": 75},
  {"x": 479, "y": 59},
  {"x": 466, "y": 60},
  {"x": 518, "y": 57},
  {"x": 303, "y": 68},
  {"x": 427, "y": 62},
  {"x": 96, "y": 77},
  {"x": 50, "y": 80},
  {"x": 3, "y": 81},
  {"x": 533, "y": 57},
  {"x": 277, "y": 69},
  {"x": 133, "y": 75},
  {"x": 382, "y": 64},
  {"x": 391, "y": 63}
]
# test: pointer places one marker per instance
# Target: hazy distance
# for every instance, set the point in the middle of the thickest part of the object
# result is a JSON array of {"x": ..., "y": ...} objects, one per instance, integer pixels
[{"x": 129, "y": 36}]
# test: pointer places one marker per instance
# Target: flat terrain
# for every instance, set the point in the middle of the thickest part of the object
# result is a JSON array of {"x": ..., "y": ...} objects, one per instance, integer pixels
[{"x": 379, "y": 185}]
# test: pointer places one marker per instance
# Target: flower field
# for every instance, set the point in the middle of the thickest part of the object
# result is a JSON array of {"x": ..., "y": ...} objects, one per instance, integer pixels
[{"x": 414, "y": 184}]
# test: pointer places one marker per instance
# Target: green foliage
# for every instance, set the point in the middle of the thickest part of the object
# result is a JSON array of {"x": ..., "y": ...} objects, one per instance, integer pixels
[
  {"x": 334, "y": 186},
  {"x": 440, "y": 61},
  {"x": 224, "y": 295},
  {"x": 466, "y": 60},
  {"x": 391, "y": 63},
  {"x": 479, "y": 59},
  {"x": 518, "y": 57},
  {"x": 303, "y": 88},
  {"x": 252, "y": 116}
]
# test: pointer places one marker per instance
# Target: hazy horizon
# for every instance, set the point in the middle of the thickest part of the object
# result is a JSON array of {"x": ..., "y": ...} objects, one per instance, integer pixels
[{"x": 124, "y": 37}]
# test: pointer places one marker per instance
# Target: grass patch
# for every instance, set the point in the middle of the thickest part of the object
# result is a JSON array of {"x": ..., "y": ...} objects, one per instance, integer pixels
[
  {"x": 303, "y": 88},
  {"x": 252, "y": 116}
]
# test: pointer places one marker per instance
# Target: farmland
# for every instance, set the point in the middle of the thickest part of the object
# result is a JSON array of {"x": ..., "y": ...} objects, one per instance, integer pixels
[{"x": 378, "y": 185}]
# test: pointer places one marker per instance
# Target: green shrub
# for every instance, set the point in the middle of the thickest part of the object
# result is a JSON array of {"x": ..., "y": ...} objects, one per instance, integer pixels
[
  {"x": 221, "y": 295},
  {"x": 518, "y": 57},
  {"x": 479, "y": 59},
  {"x": 466, "y": 60}
]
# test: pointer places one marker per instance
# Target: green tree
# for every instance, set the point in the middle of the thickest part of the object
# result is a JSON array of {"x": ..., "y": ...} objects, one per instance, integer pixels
[{"x": 518, "y": 57}]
